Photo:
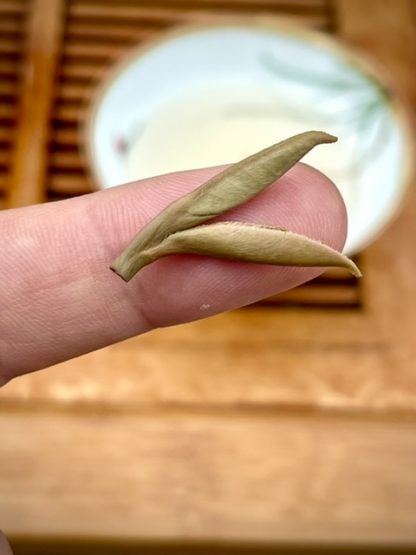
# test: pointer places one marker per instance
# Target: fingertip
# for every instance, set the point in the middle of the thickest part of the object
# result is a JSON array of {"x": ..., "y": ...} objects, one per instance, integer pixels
[
  {"x": 324, "y": 203},
  {"x": 303, "y": 200}
]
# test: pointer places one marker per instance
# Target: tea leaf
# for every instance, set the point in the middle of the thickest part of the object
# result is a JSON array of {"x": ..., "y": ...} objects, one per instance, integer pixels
[
  {"x": 232, "y": 187},
  {"x": 250, "y": 243}
]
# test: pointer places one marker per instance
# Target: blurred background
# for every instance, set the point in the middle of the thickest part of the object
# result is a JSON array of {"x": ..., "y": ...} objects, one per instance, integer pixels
[{"x": 287, "y": 426}]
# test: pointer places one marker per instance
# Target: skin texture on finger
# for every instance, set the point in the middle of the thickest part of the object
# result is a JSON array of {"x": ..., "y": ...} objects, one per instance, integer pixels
[
  {"x": 4, "y": 545},
  {"x": 58, "y": 298}
]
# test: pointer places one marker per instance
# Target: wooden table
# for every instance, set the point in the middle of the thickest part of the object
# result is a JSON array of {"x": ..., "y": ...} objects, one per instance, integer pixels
[{"x": 291, "y": 423}]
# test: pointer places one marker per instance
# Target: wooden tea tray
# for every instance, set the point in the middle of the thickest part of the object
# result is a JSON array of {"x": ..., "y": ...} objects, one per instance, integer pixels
[{"x": 289, "y": 423}]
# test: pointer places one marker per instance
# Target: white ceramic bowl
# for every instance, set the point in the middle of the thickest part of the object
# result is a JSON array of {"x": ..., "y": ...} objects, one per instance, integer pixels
[{"x": 204, "y": 96}]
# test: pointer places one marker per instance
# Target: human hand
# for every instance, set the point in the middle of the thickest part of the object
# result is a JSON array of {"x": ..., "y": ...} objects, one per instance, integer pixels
[{"x": 59, "y": 299}]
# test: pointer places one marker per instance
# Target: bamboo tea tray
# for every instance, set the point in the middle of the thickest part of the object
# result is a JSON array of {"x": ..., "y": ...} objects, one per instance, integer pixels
[{"x": 291, "y": 422}]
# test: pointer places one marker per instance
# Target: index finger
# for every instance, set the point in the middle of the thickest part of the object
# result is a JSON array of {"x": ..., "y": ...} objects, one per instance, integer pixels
[
  {"x": 4, "y": 545},
  {"x": 59, "y": 299}
]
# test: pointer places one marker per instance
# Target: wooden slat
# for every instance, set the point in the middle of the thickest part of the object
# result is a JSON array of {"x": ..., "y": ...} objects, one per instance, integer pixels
[
  {"x": 70, "y": 113},
  {"x": 10, "y": 26},
  {"x": 80, "y": 70},
  {"x": 124, "y": 24},
  {"x": 70, "y": 185},
  {"x": 81, "y": 8},
  {"x": 329, "y": 296},
  {"x": 75, "y": 91},
  {"x": 126, "y": 28},
  {"x": 67, "y": 137},
  {"x": 218, "y": 476},
  {"x": 12, "y": 7},
  {"x": 6, "y": 139},
  {"x": 8, "y": 111},
  {"x": 67, "y": 160},
  {"x": 82, "y": 11},
  {"x": 4, "y": 157},
  {"x": 28, "y": 171},
  {"x": 103, "y": 51},
  {"x": 93, "y": 27},
  {"x": 6, "y": 136},
  {"x": 7, "y": 89},
  {"x": 8, "y": 68},
  {"x": 9, "y": 46},
  {"x": 3, "y": 187}
]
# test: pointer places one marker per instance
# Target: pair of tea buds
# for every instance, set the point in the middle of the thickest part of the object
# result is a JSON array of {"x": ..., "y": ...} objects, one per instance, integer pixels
[{"x": 181, "y": 227}]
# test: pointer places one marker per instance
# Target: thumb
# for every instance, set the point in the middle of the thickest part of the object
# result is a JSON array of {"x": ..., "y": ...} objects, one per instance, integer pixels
[{"x": 59, "y": 299}]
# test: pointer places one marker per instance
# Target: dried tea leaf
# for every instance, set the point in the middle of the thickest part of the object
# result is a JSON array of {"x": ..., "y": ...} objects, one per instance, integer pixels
[
  {"x": 229, "y": 189},
  {"x": 250, "y": 243}
]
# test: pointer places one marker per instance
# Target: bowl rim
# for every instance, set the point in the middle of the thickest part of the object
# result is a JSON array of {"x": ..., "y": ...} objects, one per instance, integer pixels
[{"x": 350, "y": 55}]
